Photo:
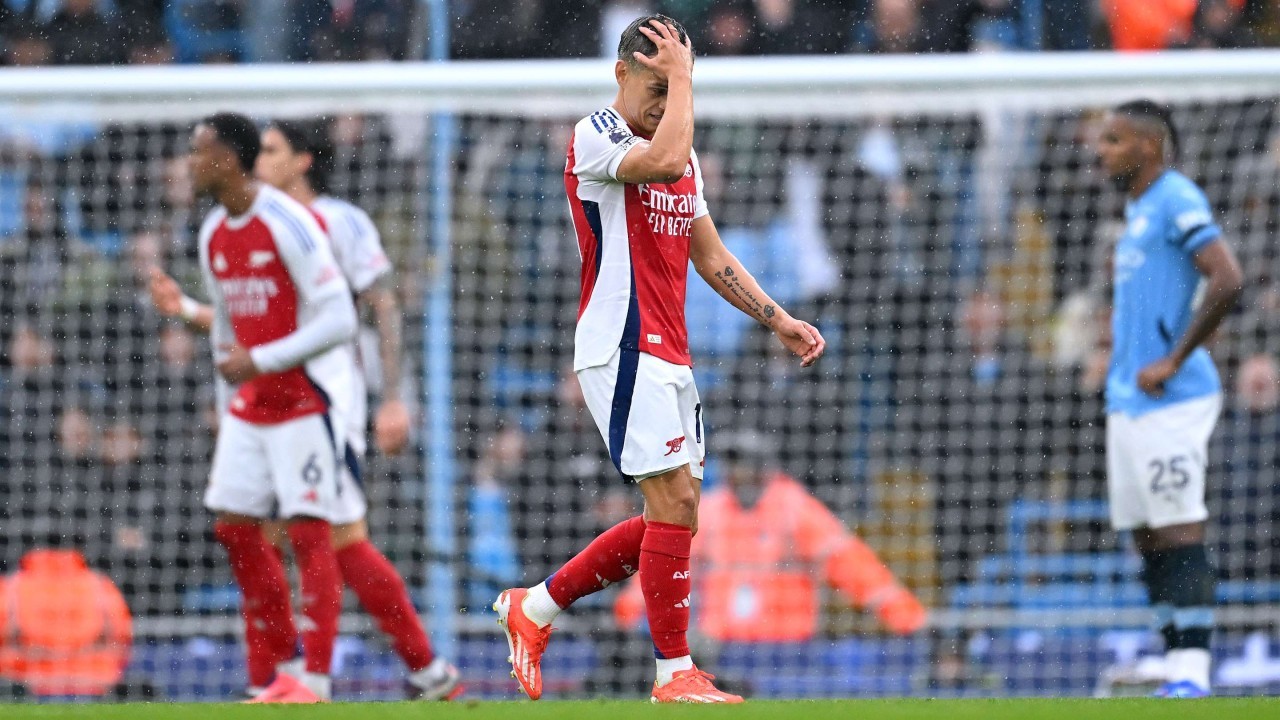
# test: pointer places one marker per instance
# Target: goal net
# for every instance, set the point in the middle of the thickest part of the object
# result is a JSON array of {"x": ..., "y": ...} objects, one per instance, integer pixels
[{"x": 942, "y": 221}]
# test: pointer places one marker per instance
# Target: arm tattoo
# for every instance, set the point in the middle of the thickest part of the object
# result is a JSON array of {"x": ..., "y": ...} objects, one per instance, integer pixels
[
  {"x": 733, "y": 284},
  {"x": 385, "y": 309}
]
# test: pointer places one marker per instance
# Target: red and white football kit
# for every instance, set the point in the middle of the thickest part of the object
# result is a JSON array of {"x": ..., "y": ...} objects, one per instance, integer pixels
[
  {"x": 631, "y": 348},
  {"x": 357, "y": 248},
  {"x": 277, "y": 290}
]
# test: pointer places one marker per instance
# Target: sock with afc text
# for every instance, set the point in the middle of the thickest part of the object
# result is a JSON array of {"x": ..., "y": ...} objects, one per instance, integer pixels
[{"x": 664, "y": 579}]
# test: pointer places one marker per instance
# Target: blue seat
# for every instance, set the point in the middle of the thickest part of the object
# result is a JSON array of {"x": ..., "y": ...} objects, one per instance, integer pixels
[{"x": 1024, "y": 580}]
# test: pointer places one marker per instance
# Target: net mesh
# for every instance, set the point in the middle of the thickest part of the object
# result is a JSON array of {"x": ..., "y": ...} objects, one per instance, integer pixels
[{"x": 953, "y": 258}]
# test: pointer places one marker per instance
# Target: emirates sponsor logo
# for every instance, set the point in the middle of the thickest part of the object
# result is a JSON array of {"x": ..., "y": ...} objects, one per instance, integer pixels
[
  {"x": 248, "y": 297},
  {"x": 665, "y": 202},
  {"x": 669, "y": 213}
]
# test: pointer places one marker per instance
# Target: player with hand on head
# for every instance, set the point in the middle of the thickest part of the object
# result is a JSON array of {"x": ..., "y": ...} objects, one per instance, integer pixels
[
  {"x": 282, "y": 321},
  {"x": 296, "y": 159},
  {"x": 635, "y": 193},
  {"x": 1163, "y": 392}
]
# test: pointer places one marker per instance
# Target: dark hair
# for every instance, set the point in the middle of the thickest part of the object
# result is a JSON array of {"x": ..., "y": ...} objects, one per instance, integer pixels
[
  {"x": 633, "y": 41},
  {"x": 311, "y": 138},
  {"x": 238, "y": 133},
  {"x": 1150, "y": 111}
]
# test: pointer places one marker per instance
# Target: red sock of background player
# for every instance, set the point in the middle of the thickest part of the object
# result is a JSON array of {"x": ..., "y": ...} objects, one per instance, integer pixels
[
  {"x": 267, "y": 614},
  {"x": 612, "y": 557},
  {"x": 664, "y": 578},
  {"x": 383, "y": 595},
  {"x": 267, "y": 647},
  {"x": 321, "y": 592},
  {"x": 284, "y": 645}
]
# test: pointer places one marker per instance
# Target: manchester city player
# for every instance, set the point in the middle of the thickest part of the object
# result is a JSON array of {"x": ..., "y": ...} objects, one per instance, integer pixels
[{"x": 1175, "y": 279}]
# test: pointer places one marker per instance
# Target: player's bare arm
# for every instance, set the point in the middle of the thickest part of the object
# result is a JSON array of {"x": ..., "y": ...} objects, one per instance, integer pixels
[
  {"x": 1224, "y": 284},
  {"x": 669, "y": 75},
  {"x": 391, "y": 423},
  {"x": 730, "y": 279},
  {"x": 169, "y": 299}
]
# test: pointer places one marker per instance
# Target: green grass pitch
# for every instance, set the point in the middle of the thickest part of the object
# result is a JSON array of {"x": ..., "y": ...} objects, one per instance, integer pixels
[{"x": 1022, "y": 709}]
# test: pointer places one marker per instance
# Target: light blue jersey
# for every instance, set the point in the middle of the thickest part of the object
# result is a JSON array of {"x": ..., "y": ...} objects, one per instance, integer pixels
[{"x": 1155, "y": 286}]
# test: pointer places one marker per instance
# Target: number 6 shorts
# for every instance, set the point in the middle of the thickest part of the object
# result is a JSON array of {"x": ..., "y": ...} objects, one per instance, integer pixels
[
  {"x": 284, "y": 470},
  {"x": 1156, "y": 464},
  {"x": 648, "y": 412}
]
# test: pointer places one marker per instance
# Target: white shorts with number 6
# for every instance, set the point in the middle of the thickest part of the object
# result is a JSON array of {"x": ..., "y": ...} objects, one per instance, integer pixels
[
  {"x": 1156, "y": 464},
  {"x": 284, "y": 470}
]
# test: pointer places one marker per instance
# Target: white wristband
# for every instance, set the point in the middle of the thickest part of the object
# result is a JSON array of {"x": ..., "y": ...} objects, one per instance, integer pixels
[{"x": 188, "y": 308}]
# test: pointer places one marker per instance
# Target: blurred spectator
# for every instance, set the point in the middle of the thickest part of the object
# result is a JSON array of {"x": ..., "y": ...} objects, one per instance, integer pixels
[
  {"x": 210, "y": 31},
  {"x": 1268, "y": 21},
  {"x": 978, "y": 414},
  {"x": 149, "y": 45},
  {"x": 121, "y": 444},
  {"x": 535, "y": 28},
  {"x": 1248, "y": 450},
  {"x": 77, "y": 438},
  {"x": 345, "y": 30},
  {"x": 730, "y": 30},
  {"x": 1149, "y": 24},
  {"x": 491, "y": 548},
  {"x": 129, "y": 485},
  {"x": 64, "y": 629},
  {"x": 1226, "y": 23},
  {"x": 1068, "y": 24},
  {"x": 30, "y": 351},
  {"x": 81, "y": 35},
  {"x": 803, "y": 27},
  {"x": 967, "y": 25},
  {"x": 764, "y": 542},
  {"x": 27, "y": 45},
  {"x": 1257, "y": 386},
  {"x": 33, "y": 259},
  {"x": 177, "y": 349},
  {"x": 1073, "y": 202},
  {"x": 894, "y": 26}
]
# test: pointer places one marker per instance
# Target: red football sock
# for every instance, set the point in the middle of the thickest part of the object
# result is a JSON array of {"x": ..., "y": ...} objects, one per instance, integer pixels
[
  {"x": 321, "y": 590},
  {"x": 268, "y": 617},
  {"x": 664, "y": 578},
  {"x": 383, "y": 595},
  {"x": 612, "y": 557}
]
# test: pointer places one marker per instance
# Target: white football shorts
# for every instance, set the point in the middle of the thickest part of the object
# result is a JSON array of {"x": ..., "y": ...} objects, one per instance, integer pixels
[
  {"x": 285, "y": 470},
  {"x": 648, "y": 412},
  {"x": 350, "y": 505},
  {"x": 1156, "y": 464}
]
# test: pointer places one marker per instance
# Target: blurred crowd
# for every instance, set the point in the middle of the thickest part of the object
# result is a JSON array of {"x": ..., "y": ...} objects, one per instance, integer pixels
[
  {"x": 960, "y": 283},
  {"x": 111, "y": 32}
]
